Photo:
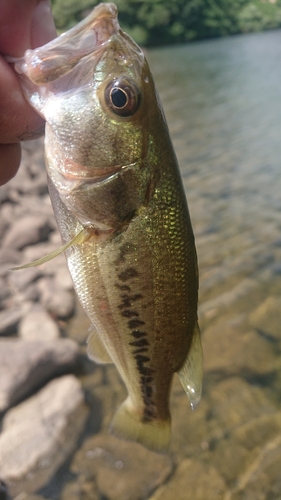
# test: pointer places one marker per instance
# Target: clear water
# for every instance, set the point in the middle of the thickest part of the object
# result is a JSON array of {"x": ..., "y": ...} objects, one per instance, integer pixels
[{"x": 222, "y": 100}]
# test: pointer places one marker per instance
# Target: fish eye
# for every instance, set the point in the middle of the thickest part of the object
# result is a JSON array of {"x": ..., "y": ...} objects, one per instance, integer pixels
[{"x": 122, "y": 96}]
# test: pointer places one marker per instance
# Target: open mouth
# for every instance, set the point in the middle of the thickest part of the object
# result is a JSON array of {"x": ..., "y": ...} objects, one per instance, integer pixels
[{"x": 58, "y": 57}]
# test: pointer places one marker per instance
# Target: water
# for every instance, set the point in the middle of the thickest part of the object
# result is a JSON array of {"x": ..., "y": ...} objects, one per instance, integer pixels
[{"x": 222, "y": 100}]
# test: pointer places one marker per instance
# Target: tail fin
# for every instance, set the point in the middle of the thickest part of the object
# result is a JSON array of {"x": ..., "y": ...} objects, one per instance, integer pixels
[{"x": 154, "y": 434}]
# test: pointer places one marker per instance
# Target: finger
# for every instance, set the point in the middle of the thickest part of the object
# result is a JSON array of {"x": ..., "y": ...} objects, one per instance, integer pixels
[
  {"x": 25, "y": 25},
  {"x": 18, "y": 121},
  {"x": 10, "y": 156}
]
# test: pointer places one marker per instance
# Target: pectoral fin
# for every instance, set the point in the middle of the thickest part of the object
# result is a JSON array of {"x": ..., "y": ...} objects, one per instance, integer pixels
[
  {"x": 191, "y": 372},
  {"x": 79, "y": 238},
  {"x": 96, "y": 349}
]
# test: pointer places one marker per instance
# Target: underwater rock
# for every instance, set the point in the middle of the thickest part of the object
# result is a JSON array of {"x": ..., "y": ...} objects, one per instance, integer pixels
[
  {"x": 266, "y": 318},
  {"x": 235, "y": 402},
  {"x": 80, "y": 488},
  {"x": 31, "y": 454},
  {"x": 238, "y": 450},
  {"x": 121, "y": 469},
  {"x": 191, "y": 480},
  {"x": 262, "y": 479},
  {"x": 25, "y": 365},
  {"x": 234, "y": 351}
]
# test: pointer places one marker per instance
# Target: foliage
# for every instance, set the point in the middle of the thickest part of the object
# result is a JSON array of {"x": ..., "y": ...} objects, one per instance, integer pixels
[{"x": 158, "y": 22}]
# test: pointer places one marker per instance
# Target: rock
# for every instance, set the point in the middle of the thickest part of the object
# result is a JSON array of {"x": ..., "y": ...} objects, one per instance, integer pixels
[
  {"x": 9, "y": 256},
  {"x": 10, "y": 318},
  {"x": 31, "y": 453},
  {"x": 235, "y": 402},
  {"x": 5, "y": 291},
  {"x": 192, "y": 480},
  {"x": 266, "y": 317},
  {"x": 29, "y": 229},
  {"x": 121, "y": 469},
  {"x": 80, "y": 488},
  {"x": 262, "y": 479},
  {"x": 25, "y": 365},
  {"x": 58, "y": 301},
  {"x": 190, "y": 429},
  {"x": 238, "y": 450},
  {"x": 37, "y": 324},
  {"x": 20, "y": 279},
  {"x": 230, "y": 350},
  {"x": 213, "y": 306},
  {"x": 27, "y": 496},
  {"x": 63, "y": 278},
  {"x": 4, "y": 491}
]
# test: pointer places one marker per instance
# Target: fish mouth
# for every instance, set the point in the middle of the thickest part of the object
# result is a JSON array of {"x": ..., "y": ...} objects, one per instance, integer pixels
[{"x": 58, "y": 57}]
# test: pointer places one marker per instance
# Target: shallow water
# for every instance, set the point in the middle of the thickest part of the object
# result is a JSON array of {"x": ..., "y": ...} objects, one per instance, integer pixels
[{"x": 222, "y": 100}]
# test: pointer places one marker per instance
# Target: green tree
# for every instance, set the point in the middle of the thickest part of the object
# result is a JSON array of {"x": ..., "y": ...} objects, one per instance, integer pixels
[{"x": 159, "y": 22}]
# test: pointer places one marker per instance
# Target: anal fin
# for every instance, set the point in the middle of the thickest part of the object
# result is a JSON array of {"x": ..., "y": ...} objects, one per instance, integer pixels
[
  {"x": 191, "y": 372},
  {"x": 96, "y": 349}
]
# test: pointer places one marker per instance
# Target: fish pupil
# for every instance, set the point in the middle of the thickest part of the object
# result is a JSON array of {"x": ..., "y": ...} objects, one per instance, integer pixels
[
  {"x": 119, "y": 98},
  {"x": 122, "y": 96}
]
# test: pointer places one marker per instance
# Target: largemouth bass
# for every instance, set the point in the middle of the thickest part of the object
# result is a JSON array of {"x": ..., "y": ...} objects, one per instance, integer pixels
[{"x": 122, "y": 213}]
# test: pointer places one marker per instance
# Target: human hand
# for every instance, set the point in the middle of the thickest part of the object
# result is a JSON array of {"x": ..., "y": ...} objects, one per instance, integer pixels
[{"x": 24, "y": 24}]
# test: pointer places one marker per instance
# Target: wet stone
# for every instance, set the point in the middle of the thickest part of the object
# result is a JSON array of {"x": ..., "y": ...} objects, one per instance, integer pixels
[
  {"x": 233, "y": 351},
  {"x": 234, "y": 402},
  {"x": 121, "y": 469},
  {"x": 25, "y": 365},
  {"x": 238, "y": 450},
  {"x": 190, "y": 428},
  {"x": 192, "y": 480},
  {"x": 262, "y": 479},
  {"x": 80, "y": 488},
  {"x": 31, "y": 454},
  {"x": 266, "y": 317}
]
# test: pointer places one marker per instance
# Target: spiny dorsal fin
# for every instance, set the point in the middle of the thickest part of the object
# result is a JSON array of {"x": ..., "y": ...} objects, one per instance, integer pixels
[
  {"x": 78, "y": 239},
  {"x": 191, "y": 372}
]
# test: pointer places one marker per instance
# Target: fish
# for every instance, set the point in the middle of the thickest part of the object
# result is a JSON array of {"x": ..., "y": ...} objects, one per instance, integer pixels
[{"x": 121, "y": 209}]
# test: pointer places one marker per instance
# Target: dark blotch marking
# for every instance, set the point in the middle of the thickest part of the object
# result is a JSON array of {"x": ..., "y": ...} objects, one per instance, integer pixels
[
  {"x": 124, "y": 251},
  {"x": 142, "y": 349},
  {"x": 137, "y": 334},
  {"x": 129, "y": 314},
  {"x": 141, "y": 359},
  {"x": 123, "y": 288},
  {"x": 140, "y": 343},
  {"x": 128, "y": 299},
  {"x": 146, "y": 380},
  {"x": 134, "y": 323},
  {"x": 149, "y": 414},
  {"x": 128, "y": 274}
]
